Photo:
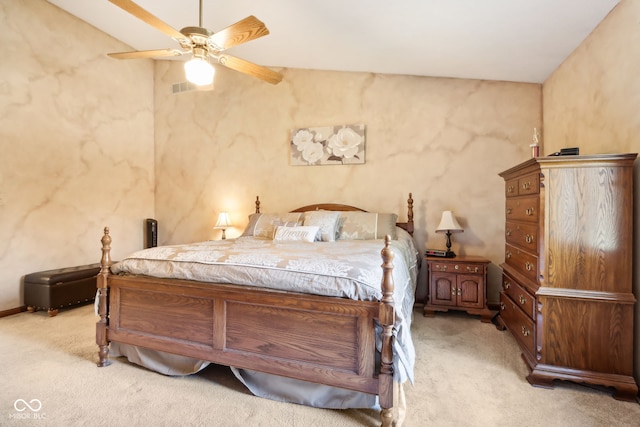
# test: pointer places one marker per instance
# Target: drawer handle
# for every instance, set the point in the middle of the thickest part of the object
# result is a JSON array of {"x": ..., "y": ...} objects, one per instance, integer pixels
[
  {"x": 525, "y": 331},
  {"x": 508, "y": 232},
  {"x": 507, "y": 285},
  {"x": 528, "y": 238},
  {"x": 529, "y": 211},
  {"x": 522, "y": 299},
  {"x": 528, "y": 266},
  {"x": 509, "y": 210},
  {"x": 510, "y": 189},
  {"x": 472, "y": 270},
  {"x": 526, "y": 185},
  {"x": 508, "y": 254},
  {"x": 502, "y": 306},
  {"x": 441, "y": 267}
]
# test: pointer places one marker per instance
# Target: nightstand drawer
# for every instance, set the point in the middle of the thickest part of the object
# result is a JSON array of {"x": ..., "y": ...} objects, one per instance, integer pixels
[
  {"x": 458, "y": 267},
  {"x": 522, "y": 235},
  {"x": 522, "y": 209},
  {"x": 519, "y": 295}
]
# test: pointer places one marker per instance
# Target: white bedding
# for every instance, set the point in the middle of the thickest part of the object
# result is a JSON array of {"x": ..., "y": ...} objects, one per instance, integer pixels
[{"x": 344, "y": 268}]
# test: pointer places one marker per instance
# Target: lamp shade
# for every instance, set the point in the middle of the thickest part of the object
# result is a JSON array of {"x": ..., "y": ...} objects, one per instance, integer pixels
[
  {"x": 449, "y": 223},
  {"x": 223, "y": 221}
]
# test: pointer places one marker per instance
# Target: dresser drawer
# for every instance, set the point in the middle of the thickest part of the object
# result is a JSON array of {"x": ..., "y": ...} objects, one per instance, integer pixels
[
  {"x": 518, "y": 323},
  {"x": 522, "y": 208},
  {"x": 524, "y": 262},
  {"x": 529, "y": 184},
  {"x": 458, "y": 267},
  {"x": 523, "y": 235},
  {"x": 519, "y": 295},
  {"x": 511, "y": 188}
]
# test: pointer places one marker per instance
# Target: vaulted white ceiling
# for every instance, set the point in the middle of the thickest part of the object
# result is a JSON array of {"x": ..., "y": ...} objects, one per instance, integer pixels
[{"x": 511, "y": 40}]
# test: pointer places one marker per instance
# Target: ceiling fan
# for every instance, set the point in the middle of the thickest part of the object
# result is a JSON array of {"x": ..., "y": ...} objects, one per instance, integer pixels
[{"x": 203, "y": 44}]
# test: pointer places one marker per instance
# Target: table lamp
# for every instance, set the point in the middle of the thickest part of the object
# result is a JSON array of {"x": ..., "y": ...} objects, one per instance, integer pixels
[
  {"x": 449, "y": 224},
  {"x": 223, "y": 223}
]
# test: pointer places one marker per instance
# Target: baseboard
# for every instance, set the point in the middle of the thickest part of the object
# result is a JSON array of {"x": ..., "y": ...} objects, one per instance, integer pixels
[{"x": 13, "y": 311}]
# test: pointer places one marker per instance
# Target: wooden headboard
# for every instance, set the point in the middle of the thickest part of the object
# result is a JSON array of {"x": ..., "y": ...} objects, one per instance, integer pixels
[{"x": 408, "y": 226}]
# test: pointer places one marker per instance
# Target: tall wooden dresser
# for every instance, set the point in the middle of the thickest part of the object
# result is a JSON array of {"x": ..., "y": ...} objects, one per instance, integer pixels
[{"x": 567, "y": 294}]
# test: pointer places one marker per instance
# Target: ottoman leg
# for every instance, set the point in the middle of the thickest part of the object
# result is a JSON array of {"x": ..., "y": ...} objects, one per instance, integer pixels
[{"x": 52, "y": 312}]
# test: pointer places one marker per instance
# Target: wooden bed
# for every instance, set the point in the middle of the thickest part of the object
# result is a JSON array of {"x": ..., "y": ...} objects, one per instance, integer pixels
[{"x": 324, "y": 340}]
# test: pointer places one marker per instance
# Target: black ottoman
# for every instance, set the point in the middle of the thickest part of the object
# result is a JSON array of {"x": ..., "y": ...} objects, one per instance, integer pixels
[{"x": 53, "y": 289}]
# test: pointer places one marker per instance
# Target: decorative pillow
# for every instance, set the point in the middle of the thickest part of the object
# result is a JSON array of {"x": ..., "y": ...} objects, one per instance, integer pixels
[
  {"x": 367, "y": 225},
  {"x": 327, "y": 221},
  {"x": 300, "y": 234},
  {"x": 264, "y": 225}
]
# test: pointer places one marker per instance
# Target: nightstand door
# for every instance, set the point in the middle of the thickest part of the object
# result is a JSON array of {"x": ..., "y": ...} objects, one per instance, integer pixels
[
  {"x": 443, "y": 289},
  {"x": 470, "y": 291}
]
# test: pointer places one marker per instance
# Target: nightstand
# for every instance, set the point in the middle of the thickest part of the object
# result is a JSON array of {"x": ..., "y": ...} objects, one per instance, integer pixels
[{"x": 458, "y": 283}]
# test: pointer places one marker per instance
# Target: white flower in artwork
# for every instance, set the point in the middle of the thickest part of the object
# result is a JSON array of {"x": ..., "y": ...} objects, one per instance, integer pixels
[
  {"x": 326, "y": 145},
  {"x": 302, "y": 138},
  {"x": 312, "y": 152},
  {"x": 345, "y": 143},
  {"x": 322, "y": 133}
]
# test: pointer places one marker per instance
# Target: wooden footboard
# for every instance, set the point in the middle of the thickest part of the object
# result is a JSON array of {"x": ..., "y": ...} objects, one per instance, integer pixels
[{"x": 325, "y": 340}]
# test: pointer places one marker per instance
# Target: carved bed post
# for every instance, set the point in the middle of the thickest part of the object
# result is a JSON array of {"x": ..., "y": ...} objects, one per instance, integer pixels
[
  {"x": 387, "y": 321},
  {"x": 103, "y": 294},
  {"x": 410, "y": 214}
]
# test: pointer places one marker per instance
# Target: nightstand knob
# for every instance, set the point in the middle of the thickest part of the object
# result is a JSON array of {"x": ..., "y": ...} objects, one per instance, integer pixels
[{"x": 456, "y": 267}]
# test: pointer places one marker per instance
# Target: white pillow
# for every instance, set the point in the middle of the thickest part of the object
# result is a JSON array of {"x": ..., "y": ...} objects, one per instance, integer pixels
[
  {"x": 299, "y": 234},
  {"x": 327, "y": 221}
]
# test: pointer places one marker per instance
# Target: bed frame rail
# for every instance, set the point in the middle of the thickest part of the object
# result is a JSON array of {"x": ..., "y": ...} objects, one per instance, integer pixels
[{"x": 325, "y": 340}]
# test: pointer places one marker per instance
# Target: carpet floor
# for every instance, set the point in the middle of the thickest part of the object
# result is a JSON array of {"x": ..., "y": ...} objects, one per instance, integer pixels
[{"x": 467, "y": 374}]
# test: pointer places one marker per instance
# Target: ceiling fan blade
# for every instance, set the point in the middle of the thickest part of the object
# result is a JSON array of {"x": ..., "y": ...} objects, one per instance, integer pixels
[
  {"x": 249, "y": 68},
  {"x": 139, "y": 12},
  {"x": 250, "y": 28},
  {"x": 137, "y": 54}
]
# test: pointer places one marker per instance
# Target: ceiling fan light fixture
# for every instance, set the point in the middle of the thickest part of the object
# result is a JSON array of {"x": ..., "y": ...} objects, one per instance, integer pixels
[{"x": 198, "y": 69}]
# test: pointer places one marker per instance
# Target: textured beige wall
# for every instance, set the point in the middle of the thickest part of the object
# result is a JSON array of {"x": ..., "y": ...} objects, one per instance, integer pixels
[
  {"x": 76, "y": 137},
  {"x": 444, "y": 140},
  {"x": 593, "y": 102}
]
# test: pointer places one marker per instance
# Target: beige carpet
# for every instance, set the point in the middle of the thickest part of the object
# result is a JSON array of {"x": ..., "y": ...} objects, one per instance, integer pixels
[{"x": 467, "y": 374}]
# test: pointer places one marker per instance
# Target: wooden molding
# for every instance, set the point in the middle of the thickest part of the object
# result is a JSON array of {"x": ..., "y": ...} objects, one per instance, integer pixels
[{"x": 13, "y": 311}]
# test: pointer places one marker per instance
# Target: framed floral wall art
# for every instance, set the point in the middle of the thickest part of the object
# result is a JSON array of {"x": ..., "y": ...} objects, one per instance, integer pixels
[{"x": 328, "y": 145}]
